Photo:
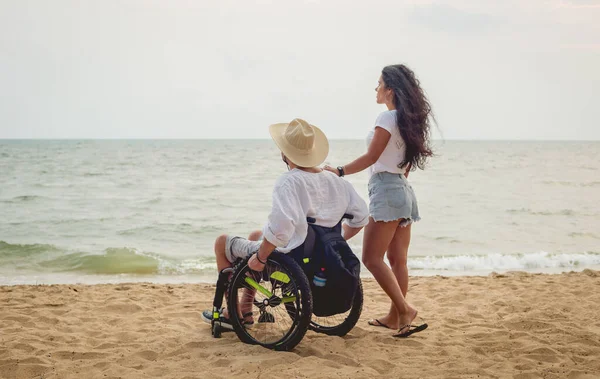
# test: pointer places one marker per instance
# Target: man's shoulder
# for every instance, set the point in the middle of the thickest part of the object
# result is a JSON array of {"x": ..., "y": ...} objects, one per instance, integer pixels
[
  {"x": 286, "y": 179},
  {"x": 296, "y": 177}
]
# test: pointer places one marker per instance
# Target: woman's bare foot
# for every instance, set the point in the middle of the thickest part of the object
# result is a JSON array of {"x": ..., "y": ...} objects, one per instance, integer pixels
[
  {"x": 406, "y": 319},
  {"x": 394, "y": 321},
  {"x": 407, "y": 326},
  {"x": 387, "y": 321}
]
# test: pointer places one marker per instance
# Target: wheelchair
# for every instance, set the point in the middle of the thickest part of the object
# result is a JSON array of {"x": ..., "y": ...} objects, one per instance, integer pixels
[{"x": 279, "y": 299}]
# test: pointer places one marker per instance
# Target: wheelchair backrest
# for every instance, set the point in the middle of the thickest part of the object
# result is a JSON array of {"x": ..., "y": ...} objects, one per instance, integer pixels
[{"x": 324, "y": 249}]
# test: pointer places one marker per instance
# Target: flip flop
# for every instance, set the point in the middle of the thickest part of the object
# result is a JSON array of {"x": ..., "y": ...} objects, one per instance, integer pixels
[
  {"x": 411, "y": 330},
  {"x": 378, "y": 324}
]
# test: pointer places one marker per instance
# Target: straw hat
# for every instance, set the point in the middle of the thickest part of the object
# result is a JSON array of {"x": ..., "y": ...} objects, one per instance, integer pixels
[{"x": 304, "y": 144}]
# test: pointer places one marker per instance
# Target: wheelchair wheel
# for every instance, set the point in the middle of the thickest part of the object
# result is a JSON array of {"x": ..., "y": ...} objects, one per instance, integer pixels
[
  {"x": 340, "y": 324},
  {"x": 278, "y": 300}
]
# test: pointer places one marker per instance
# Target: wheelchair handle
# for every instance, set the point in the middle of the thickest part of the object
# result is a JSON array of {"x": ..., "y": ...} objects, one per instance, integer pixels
[{"x": 312, "y": 220}]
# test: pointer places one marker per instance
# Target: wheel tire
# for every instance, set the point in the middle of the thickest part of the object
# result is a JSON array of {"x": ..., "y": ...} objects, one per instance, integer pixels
[
  {"x": 303, "y": 291},
  {"x": 349, "y": 322},
  {"x": 216, "y": 331}
]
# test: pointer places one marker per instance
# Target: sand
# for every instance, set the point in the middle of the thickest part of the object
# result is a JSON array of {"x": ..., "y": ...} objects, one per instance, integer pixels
[{"x": 515, "y": 325}]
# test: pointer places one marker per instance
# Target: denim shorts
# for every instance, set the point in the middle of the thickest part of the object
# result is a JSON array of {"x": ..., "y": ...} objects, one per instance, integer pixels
[{"x": 392, "y": 198}]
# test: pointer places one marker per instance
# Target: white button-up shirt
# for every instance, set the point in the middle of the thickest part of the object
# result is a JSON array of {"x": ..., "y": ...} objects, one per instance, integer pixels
[{"x": 299, "y": 194}]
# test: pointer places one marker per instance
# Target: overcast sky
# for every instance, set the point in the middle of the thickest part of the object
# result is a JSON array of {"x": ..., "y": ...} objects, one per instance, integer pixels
[{"x": 502, "y": 69}]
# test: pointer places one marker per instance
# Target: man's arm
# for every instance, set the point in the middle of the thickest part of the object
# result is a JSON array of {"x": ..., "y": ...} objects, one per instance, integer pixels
[
  {"x": 280, "y": 225},
  {"x": 349, "y": 232},
  {"x": 263, "y": 253},
  {"x": 358, "y": 209}
]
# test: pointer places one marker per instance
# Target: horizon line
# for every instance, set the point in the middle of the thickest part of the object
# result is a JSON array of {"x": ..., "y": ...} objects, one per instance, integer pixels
[{"x": 268, "y": 139}]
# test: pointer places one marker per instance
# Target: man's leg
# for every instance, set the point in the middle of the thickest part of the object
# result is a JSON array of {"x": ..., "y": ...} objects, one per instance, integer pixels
[
  {"x": 228, "y": 249},
  {"x": 248, "y": 294},
  {"x": 222, "y": 262}
]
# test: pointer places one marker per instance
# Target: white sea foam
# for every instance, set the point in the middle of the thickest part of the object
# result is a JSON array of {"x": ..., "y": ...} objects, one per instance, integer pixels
[{"x": 504, "y": 262}]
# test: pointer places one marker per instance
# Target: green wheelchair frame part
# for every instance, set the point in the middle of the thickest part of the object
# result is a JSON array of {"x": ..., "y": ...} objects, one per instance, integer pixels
[{"x": 277, "y": 275}]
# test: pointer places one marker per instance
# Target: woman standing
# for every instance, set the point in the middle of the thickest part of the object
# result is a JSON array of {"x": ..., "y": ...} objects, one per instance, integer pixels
[{"x": 398, "y": 143}]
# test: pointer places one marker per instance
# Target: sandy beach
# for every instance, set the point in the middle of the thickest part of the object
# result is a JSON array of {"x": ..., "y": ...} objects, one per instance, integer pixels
[{"x": 515, "y": 325}]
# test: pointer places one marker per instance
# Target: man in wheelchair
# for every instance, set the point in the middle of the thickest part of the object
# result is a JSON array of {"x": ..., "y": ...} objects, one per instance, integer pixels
[{"x": 304, "y": 191}]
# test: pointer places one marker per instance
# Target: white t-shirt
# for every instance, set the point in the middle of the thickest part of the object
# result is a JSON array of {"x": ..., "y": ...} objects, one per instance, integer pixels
[
  {"x": 394, "y": 152},
  {"x": 324, "y": 196}
]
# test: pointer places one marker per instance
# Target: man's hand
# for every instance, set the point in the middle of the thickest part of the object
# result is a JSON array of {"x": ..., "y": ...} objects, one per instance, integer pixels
[
  {"x": 254, "y": 264},
  {"x": 265, "y": 249}
]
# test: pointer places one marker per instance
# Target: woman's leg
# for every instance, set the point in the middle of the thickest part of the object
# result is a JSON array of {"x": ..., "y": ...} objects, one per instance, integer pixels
[
  {"x": 397, "y": 256},
  {"x": 377, "y": 239}
]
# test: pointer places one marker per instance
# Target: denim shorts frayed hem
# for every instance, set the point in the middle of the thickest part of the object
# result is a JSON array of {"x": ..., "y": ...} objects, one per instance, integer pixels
[
  {"x": 404, "y": 223},
  {"x": 391, "y": 198}
]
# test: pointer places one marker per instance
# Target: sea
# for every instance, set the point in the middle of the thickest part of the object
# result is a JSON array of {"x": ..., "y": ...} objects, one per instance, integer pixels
[{"x": 110, "y": 211}]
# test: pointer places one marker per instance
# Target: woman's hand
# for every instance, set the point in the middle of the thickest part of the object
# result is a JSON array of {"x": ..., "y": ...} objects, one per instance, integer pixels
[{"x": 331, "y": 169}]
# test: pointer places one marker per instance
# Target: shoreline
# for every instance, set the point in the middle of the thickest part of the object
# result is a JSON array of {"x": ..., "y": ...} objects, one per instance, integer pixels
[
  {"x": 509, "y": 325},
  {"x": 70, "y": 278}
]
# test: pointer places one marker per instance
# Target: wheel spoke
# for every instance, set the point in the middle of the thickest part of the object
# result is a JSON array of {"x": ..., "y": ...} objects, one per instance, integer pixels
[{"x": 276, "y": 303}]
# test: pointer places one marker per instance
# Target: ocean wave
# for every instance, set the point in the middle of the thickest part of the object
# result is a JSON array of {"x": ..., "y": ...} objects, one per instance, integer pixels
[
  {"x": 154, "y": 200},
  {"x": 130, "y": 261},
  {"x": 444, "y": 238},
  {"x": 206, "y": 185},
  {"x": 10, "y": 251},
  {"x": 505, "y": 262},
  {"x": 572, "y": 184},
  {"x": 122, "y": 260},
  {"x": 126, "y": 260},
  {"x": 562, "y": 212},
  {"x": 113, "y": 261},
  {"x": 584, "y": 235},
  {"x": 181, "y": 228},
  {"x": 559, "y": 182},
  {"x": 25, "y": 198},
  {"x": 590, "y": 184}
]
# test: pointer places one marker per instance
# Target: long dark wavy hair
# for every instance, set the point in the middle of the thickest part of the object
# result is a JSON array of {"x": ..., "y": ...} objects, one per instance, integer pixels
[{"x": 413, "y": 114}]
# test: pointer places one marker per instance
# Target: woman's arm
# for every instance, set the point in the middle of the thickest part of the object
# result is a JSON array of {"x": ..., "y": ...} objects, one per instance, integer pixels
[{"x": 378, "y": 144}]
